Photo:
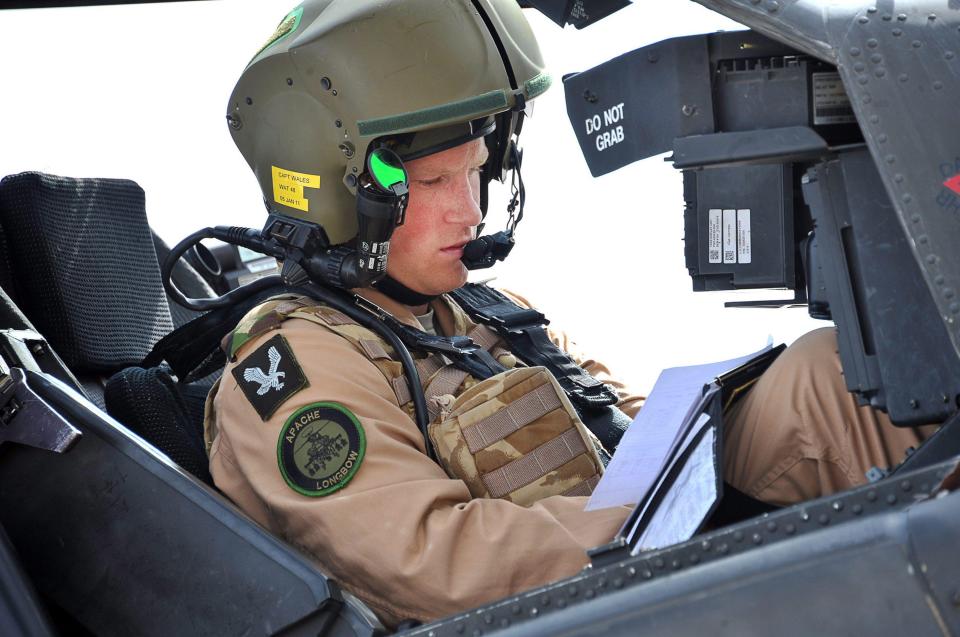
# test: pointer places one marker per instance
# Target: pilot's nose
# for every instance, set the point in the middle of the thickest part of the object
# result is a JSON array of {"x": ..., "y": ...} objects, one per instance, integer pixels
[{"x": 464, "y": 205}]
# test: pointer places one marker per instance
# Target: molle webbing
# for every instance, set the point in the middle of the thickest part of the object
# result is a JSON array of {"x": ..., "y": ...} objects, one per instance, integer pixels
[
  {"x": 547, "y": 457},
  {"x": 518, "y": 414}
]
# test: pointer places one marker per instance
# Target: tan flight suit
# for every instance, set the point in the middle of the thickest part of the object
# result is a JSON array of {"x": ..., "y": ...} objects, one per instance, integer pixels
[
  {"x": 412, "y": 543},
  {"x": 402, "y": 536}
]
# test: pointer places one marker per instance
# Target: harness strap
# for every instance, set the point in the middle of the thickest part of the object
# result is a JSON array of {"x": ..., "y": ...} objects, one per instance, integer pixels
[{"x": 524, "y": 329}]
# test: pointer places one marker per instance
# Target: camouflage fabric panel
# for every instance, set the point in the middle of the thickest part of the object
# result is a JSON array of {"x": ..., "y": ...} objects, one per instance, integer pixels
[
  {"x": 263, "y": 318},
  {"x": 516, "y": 436}
]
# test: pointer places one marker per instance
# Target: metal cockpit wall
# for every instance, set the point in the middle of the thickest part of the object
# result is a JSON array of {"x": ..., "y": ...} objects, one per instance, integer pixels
[{"x": 899, "y": 64}]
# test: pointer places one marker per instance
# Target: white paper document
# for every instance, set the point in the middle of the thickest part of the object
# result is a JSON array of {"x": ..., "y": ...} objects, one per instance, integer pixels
[{"x": 656, "y": 431}]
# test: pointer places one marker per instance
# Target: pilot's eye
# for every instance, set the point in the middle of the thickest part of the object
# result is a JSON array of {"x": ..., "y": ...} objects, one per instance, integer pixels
[{"x": 433, "y": 181}]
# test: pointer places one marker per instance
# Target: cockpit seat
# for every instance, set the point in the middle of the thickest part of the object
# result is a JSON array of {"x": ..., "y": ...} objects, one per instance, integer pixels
[{"x": 85, "y": 271}]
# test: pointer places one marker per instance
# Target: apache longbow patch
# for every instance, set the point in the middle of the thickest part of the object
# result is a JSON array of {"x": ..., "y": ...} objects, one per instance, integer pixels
[
  {"x": 270, "y": 376},
  {"x": 320, "y": 449}
]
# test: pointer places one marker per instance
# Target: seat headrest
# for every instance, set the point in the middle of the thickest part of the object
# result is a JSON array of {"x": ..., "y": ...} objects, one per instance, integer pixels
[{"x": 85, "y": 269}]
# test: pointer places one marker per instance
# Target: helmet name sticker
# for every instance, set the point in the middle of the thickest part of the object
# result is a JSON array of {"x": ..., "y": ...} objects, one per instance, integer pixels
[
  {"x": 320, "y": 449},
  {"x": 288, "y": 188}
]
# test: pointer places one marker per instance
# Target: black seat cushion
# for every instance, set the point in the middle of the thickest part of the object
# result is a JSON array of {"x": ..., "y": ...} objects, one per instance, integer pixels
[
  {"x": 86, "y": 268},
  {"x": 146, "y": 401}
]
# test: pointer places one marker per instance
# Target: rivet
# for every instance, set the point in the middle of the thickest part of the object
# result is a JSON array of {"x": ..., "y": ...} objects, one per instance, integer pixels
[
  {"x": 949, "y": 55},
  {"x": 289, "y": 81},
  {"x": 631, "y": 572},
  {"x": 790, "y": 529},
  {"x": 589, "y": 594},
  {"x": 738, "y": 536},
  {"x": 871, "y": 10},
  {"x": 863, "y": 80},
  {"x": 880, "y": 72},
  {"x": 590, "y": 96},
  {"x": 334, "y": 92},
  {"x": 857, "y": 509},
  {"x": 923, "y": 239},
  {"x": 887, "y": 17},
  {"x": 658, "y": 563},
  {"x": 902, "y": 17},
  {"x": 932, "y": 16},
  {"x": 867, "y": 99},
  {"x": 891, "y": 499},
  {"x": 694, "y": 559},
  {"x": 573, "y": 591},
  {"x": 898, "y": 178},
  {"x": 946, "y": 399},
  {"x": 949, "y": 293},
  {"x": 937, "y": 85},
  {"x": 955, "y": 598},
  {"x": 705, "y": 545},
  {"x": 897, "y": 33},
  {"x": 653, "y": 57},
  {"x": 675, "y": 564},
  {"x": 955, "y": 308},
  {"x": 536, "y": 611},
  {"x": 723, "y": 549},
  {"x": 859, "y": 67},
  {"x": 890, "y": 159},
  {"x": 876, "y": 58},
  {"x": 757, "y": 538},
  {"x": 561, "y": 603},
  {"x": 855, "y": 51},
  {"x": 907, "y": 198},
  {"x": 488, "y": 619},
  {"x": 838, "y": 506},
  {"x": 874, "y": 119},
  {"x": 325, "y": 83},
  {"x": 805, "y": 516},
  {"x": 916, "y": 218},
  {"x": 824, "y": 519},
  {"x": 916, "y": 44},
  {"x": 932, "y": 259},
  {"x": 771, "y": 526},
  {"x": 546, "y": 600},
  {"x": 906, "y": 486},
  {"x": 688, "y": 110},
  {"x": 249, "y": 101},
  {"x": 872, "y": 43},
  {"x": 515, "y": 609},
  {"x": 939, "y": 280},
  {"x": 882, "y": 139},
  {"x": 460, "y": 628},
  {"x": 601, "y": 582},
  {"x": 863, "y": 19},
  {"x": 773, "y": 6},
  {"x": 647, "y": 574},
  {"x": 903, "y": 77},
  {"x": 477, "y": 632},
  {"x": 871, "y": 496}
]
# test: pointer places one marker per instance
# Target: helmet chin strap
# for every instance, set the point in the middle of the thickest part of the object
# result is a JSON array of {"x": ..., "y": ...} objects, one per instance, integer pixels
[
  {"x": 485, "y": 251},
  {"x": 401, "y": 293}
]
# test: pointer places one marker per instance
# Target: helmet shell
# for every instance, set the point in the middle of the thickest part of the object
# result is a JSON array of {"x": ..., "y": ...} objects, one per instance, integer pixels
[{"x": 339, "y": 74}]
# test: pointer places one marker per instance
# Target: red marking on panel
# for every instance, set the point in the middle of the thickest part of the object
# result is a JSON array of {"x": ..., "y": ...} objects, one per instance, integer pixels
[{"x": 953, "y": 184}]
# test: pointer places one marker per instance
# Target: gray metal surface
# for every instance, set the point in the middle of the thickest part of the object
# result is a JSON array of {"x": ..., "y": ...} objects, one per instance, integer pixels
[
  {"x": 856, "y": 563},
  {"x": 900, "y": 65}
]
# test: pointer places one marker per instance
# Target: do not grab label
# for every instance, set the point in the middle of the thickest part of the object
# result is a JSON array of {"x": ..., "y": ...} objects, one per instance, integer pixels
[{"x": 606, "y": 127}]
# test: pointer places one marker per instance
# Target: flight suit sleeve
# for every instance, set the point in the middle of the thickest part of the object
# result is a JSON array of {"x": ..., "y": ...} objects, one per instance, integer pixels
[
  {"x": 630, "y": 401},
  {"x": 401, "y": 534}
]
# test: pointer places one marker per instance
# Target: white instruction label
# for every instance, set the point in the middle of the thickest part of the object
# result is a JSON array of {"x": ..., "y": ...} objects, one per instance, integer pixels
[
  {"x": 729, "y": 236},
  {"x": 744, "y": 251},
  {"x": 714, "y": 235},
  {"x": 830, "y": 102}
]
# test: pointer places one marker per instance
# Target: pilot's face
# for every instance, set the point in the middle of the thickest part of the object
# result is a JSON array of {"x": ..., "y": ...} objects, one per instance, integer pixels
[{"x": 442, "y": 216}]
